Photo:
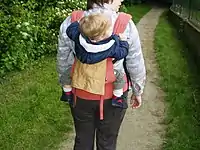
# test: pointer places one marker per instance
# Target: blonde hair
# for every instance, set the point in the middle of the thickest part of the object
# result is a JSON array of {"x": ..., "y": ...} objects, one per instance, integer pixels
[{"x": 94, "y": 26}]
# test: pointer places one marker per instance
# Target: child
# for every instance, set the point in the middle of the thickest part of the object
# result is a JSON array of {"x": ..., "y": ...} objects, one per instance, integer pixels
[{"x": 95, "y": 42}]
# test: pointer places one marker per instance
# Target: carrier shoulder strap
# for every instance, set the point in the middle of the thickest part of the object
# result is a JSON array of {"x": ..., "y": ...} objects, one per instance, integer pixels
[
  {"x": 121, "y": 23},
  {"x": 76, "y": 15},
  {"x": 119, "y": 27}
]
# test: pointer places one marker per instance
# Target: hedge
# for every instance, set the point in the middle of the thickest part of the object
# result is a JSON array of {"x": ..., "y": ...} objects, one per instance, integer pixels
[{"x": 29, "y": 30}]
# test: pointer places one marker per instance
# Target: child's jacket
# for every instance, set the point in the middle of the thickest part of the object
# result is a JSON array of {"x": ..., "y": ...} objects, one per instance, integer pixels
[{"x": 89, "y": 52}]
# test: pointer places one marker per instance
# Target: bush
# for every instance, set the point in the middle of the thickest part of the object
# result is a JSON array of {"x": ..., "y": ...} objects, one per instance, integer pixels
[
  {"x": 129, "y": 2},
  {"x": 29, "y": 29}
]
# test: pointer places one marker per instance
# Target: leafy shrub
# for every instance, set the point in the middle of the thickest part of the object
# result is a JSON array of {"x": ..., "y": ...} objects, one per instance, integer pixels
[{"x": 29, "y": 29}]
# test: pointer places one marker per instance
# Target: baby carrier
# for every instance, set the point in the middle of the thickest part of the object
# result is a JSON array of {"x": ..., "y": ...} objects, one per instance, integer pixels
[{"x": 95, "y": 81}]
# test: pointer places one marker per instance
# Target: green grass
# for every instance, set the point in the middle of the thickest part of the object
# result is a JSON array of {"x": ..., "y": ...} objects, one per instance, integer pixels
[
  {"x": 180, "y": 81},
  {"x": 32, "y": 116},
  {"x": 138, "y": 11}
]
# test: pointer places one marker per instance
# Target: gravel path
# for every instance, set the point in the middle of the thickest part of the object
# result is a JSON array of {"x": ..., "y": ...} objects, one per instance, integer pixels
[{"x": 142, "y": 128}]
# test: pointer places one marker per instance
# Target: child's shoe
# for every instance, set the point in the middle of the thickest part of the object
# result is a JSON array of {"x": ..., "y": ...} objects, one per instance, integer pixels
[
  {"x": 67, "y": 97},
  {"x": 119, "y": 102}
]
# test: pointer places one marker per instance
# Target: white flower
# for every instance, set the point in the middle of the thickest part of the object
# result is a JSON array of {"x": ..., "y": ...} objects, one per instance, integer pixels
[
  {"x": 24, "y": 34},
  {"x": 18, "y": 26},
  {"x": 61, "y": 2},
  {"x": 26, "y": 23}
]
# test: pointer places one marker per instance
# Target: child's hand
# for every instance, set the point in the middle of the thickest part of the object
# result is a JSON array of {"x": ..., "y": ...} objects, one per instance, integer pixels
[{"x": 122, "y": 37}]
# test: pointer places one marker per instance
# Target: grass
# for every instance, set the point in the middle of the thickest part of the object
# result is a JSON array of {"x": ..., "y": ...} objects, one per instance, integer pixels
[
  {"x": 180, "y": 81},
  {"x": 138, "y": 11},
  {"x": 32, "y": 116}
]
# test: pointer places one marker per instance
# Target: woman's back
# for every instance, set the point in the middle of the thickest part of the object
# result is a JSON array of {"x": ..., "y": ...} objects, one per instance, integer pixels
[
  {"x": 133, "y": 40},
  {"x": 86, "y": 113}
]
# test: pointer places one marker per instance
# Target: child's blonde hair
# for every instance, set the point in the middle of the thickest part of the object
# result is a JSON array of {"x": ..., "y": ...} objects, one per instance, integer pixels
[{"x": 94, "y": 26}]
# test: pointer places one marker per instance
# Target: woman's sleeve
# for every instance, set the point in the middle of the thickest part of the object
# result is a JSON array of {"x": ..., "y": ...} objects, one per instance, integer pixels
[
  {"x": 135, "y": 60},
  {"x": 65, "y": 57}
]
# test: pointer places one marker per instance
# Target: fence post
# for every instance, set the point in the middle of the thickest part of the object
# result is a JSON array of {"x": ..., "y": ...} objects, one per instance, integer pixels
[{"x": 190, "y": 9}]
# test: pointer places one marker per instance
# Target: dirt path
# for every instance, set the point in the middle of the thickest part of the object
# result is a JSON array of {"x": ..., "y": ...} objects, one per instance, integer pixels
[{"x": 141, "y": 128}]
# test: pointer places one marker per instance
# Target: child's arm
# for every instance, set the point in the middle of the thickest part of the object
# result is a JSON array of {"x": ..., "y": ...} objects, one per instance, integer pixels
[
  {"x": 121, "y": 50},
  {"x": 73, "y": 30},
  {"x": 118, "y": 51}
]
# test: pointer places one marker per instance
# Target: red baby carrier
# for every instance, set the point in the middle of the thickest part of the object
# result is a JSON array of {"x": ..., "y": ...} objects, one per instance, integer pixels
[{"x": 119, "y": 27}]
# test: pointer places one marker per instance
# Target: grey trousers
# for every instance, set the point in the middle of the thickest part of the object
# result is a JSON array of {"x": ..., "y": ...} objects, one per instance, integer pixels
[{"x": 120, "y": 82}]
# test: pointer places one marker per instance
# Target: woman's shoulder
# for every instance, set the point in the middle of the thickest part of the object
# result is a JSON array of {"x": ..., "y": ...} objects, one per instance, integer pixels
[
  {"x": 131, "y": 28},
  {"x": 65, "y": 24}
]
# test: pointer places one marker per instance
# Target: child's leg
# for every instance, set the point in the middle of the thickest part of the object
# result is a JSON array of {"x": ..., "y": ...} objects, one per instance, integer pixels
[
  {"x": 67, "y": 94},
  {"x": 67, "y": 88},
  {"x": 66, "y": 78},
  {"x": 118, "y": 92},
  {"x": 117, "y": 99},
  {"x": 119, "y": 83}
]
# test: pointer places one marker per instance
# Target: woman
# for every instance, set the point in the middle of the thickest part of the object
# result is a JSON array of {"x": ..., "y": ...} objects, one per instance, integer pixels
[{"x": 86, "y": 112}]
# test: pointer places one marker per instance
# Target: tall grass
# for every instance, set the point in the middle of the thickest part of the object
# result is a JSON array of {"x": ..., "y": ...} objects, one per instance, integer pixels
[
  {"x": 32, "y": 116},
  {"x": 138, "y": 11},
  {"x": 180, "y": 81}
]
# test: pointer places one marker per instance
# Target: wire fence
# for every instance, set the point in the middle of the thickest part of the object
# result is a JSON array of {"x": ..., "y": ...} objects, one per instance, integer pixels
[{"x": 188, "y": 10}]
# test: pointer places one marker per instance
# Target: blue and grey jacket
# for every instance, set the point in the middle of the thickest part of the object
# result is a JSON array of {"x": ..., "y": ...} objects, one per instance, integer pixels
[{"x": 89, "y": 52}]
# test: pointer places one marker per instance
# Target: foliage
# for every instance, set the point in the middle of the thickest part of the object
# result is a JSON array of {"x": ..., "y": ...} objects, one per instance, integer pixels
[
  {"x": 29, "y": 29},
  {"x": 32, "y": 116},
  {"x": 138, "y": 11},
  {"x": 130, "y": 2}
]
